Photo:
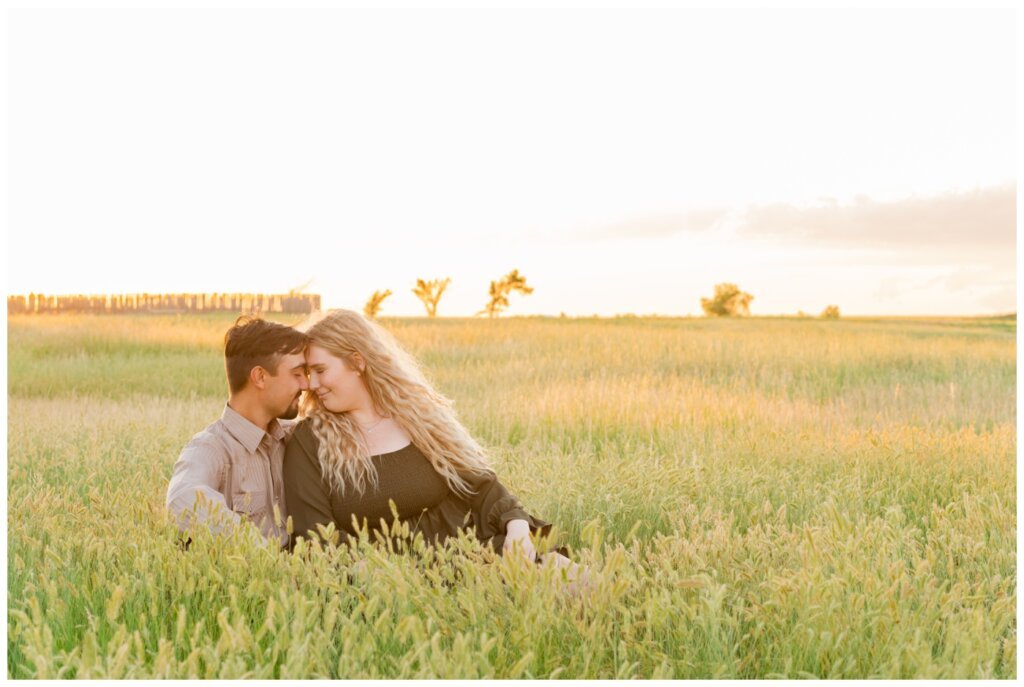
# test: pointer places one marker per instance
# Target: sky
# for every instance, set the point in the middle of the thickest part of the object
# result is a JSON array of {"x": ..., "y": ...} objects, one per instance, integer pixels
[{"x": 624, "y": 161}]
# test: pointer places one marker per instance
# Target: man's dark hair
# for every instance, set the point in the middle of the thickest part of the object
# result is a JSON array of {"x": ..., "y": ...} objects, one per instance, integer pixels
[{"x": 254, "y": 342}]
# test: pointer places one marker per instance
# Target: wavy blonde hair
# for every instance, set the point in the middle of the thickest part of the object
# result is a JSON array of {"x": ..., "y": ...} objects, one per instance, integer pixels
[{"x": 398, "y": 389}]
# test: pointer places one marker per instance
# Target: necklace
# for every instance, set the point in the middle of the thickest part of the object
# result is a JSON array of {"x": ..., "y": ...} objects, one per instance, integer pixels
[{"x": 372, "y": 427}]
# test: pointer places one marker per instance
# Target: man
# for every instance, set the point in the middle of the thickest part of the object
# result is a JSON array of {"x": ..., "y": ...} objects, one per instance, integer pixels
[{"x": 233, "y": 468}]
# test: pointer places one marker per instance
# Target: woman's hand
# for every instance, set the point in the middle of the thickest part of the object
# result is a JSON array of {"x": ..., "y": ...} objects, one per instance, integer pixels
[
  {"x": 360, "y": 568},
  {"x": 517, "y": 537},
  {"x": 577, "y": 578}
]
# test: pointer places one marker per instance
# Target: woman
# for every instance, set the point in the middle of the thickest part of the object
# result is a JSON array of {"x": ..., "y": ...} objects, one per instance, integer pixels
[{"x": 374, "y": 430}]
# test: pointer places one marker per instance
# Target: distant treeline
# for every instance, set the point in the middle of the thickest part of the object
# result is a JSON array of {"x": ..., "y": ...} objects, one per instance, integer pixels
[{"x": 164, "y": 303}]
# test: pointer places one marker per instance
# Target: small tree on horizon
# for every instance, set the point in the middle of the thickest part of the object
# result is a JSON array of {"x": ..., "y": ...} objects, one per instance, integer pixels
[
  {"x": 831, "y": 312},
  {"x": 429, "y": 292},
  {"x": 500, "y": 290},
  {"x": 300, "y": 288},
  {"x": 728, "y": 301},
  {"x": 372, "y": 307}
]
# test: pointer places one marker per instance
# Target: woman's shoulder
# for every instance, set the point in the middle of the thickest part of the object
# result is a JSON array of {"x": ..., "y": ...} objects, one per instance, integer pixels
[{"x": 303, "y": 437}]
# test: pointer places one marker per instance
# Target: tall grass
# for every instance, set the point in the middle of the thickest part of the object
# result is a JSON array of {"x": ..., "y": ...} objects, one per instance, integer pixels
[{"x": 754, "y": 498}]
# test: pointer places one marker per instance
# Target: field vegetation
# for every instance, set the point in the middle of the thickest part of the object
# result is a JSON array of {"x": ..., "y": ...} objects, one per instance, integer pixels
[{"x": 753, "y": 497}]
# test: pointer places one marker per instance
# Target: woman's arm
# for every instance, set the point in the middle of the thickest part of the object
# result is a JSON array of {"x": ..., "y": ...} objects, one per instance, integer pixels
[
  {"x": 498, "y": 514},
  {"x": 517, "y": 537}
]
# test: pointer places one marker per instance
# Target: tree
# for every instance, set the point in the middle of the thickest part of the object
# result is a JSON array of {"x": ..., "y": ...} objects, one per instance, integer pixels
[
  {"x": 500, "y": 290},
  {"x": 831, "y": 312},
  {"x": 430, "y": 293},
  {"x": 728, "y": 301},
  {"x": 299, "y": 289},
  {"x": 372, "y": 307}
]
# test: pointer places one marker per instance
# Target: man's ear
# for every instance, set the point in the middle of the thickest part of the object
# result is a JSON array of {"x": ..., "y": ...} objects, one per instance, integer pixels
[
  {"x": 258, "y": 377},
  {"x": 358, "y": 364}
]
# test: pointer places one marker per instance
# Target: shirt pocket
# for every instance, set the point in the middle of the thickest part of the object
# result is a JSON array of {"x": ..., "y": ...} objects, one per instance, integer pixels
[{"x": 249, "y": 502}]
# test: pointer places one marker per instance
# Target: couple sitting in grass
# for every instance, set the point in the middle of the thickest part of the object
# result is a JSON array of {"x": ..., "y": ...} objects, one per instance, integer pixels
[{"x": 372, "y": 431}]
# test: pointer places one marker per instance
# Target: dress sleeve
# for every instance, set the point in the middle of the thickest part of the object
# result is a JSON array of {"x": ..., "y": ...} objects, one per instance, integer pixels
[
  {"x": 493, "y": 506},
  {"x": 306, "y": 493}
]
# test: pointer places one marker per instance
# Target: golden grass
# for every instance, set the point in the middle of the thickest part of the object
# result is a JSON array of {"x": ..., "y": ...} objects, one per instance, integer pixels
[{"x": 756, "y": 498}]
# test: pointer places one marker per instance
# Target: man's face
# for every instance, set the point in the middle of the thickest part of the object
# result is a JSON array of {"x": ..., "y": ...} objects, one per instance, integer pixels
[{"x": 285, "y": 387}]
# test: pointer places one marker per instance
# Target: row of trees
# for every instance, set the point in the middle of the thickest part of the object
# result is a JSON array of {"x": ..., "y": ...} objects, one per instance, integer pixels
[
  {"x": 430, "y": 292},
  {"x": 36, "y": 303},
  {"x": 729, "y": 301}
]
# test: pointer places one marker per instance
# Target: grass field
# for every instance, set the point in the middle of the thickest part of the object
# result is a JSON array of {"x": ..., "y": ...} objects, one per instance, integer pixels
[{"x": 754, "y": 498}]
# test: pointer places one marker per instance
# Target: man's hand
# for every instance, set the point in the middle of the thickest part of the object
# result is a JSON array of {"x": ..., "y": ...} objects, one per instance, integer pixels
[{"x": 517, "y": 538}]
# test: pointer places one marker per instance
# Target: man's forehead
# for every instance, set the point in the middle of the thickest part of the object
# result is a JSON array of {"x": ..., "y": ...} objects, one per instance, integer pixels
[{"x": 293, "y": 360}]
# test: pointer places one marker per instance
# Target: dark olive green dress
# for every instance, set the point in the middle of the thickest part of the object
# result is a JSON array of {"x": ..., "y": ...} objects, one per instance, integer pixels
[{"x": 422, "y": 497}]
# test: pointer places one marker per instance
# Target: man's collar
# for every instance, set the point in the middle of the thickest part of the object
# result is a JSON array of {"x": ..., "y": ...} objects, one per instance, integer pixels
[
  {"x": 283, "y": 428},
  {"x": 280, "y": 429},
  {"x": 244, "y": 431}
]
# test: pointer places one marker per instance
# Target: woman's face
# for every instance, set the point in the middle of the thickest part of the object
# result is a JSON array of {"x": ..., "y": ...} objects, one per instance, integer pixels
[{"x": 337, "y": 385}]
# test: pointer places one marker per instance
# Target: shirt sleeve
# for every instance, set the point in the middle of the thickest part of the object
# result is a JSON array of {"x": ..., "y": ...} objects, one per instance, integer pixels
[
  {"x": 194, "y": 493},
  {"x": 493, "y": 506},
  {"x": 307, "y": 495}
]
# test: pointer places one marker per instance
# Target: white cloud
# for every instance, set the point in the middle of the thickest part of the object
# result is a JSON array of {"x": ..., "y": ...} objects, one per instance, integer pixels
[{"x": 982, "y": 217}]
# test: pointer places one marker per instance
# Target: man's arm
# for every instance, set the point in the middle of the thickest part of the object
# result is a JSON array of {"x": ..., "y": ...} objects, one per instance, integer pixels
[{"x": 193, "y": 495}]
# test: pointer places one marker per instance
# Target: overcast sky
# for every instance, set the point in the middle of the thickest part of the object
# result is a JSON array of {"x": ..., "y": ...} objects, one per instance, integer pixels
[{"x": 623, "y": 161}]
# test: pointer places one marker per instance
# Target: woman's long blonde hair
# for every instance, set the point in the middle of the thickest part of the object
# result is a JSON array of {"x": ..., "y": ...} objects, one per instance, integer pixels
[{"x": 399, "y": 390}]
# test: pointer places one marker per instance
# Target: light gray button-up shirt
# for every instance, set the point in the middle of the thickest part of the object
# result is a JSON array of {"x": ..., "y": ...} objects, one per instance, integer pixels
[{"x": 238, "y": 469}]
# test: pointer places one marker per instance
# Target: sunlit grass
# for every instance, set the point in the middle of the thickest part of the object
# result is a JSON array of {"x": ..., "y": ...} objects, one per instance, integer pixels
[{"x": 754, "y": 498}]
